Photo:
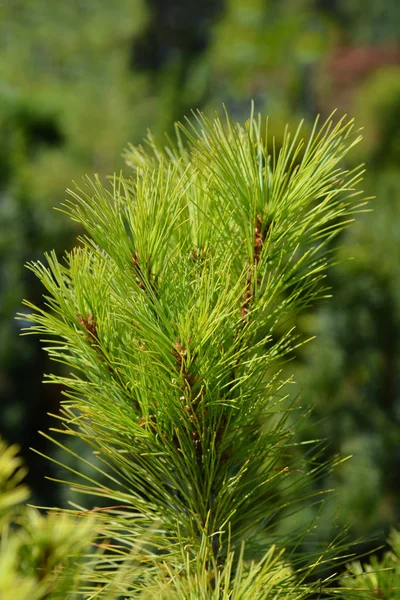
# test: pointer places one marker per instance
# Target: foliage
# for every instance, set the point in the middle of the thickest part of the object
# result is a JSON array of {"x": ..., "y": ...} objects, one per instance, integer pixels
[
  {"x": 307, "y": 59},
  {"x": 39, "y": 555},
  {"x": 53, "y": 556},
  {"x": 78, "y": 81},
  {"x": 378, "y": 579},
  {"x": 175, "y": 315},
  {"x": 72, "y": 94},
  {"x": 11, "y": 475},
  {"x": 66, "y": 97},
  {"x": 351, "y": 372}
]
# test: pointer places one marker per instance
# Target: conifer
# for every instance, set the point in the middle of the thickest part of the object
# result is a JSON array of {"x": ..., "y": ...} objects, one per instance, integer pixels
[{"x": 173, "y": 316}]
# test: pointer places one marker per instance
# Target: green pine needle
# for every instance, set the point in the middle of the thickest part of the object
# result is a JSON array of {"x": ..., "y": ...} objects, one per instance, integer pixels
[{"x": 174, "y": 317}]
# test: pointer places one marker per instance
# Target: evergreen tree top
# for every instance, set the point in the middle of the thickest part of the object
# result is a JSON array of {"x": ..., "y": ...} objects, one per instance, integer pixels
[{"x": 175, "y": 313}]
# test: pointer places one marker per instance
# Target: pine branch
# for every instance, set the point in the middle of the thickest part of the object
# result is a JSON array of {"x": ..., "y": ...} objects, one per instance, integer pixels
[{"x": 174, "y": 317}]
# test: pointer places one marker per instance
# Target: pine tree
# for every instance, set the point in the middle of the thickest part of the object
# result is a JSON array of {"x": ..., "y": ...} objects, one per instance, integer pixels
[{"x": 175, "y": 314}]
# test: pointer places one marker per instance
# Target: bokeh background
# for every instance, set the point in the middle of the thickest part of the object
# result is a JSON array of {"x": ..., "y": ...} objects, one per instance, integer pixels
[{"x": 81, "y": 79}]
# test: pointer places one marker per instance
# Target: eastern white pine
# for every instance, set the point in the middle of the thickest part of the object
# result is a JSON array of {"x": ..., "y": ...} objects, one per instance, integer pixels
[{"x": 173, "y": 316}]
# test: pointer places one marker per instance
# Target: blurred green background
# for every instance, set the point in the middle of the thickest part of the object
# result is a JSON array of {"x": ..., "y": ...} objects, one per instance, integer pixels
[{"x": 81, "y": 79}]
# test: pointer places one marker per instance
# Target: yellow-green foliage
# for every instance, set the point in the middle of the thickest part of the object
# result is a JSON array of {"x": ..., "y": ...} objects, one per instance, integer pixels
[
  {"x": 40, "y": 555},
  {"x": 377, "y": 580},
  {"x": 174, "y": 316}
]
